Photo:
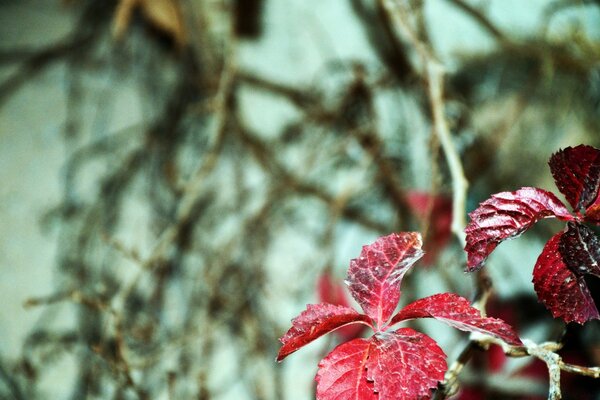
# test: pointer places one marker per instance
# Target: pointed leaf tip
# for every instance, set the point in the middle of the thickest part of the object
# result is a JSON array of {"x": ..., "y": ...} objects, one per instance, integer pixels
[
  {"x": 457, "y": 312},
  {"x": 314, "y": 322},
  {"x": 576, "y": 172},
  {"x": 506, "y": 215},
  {"x": 374, "y": 278}
]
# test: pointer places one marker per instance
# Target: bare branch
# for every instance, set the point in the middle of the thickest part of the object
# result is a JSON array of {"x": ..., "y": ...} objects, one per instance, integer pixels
[{"x": 434, "y": 74}]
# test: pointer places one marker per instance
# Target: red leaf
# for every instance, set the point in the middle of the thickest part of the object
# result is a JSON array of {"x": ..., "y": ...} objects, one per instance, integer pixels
[
  {"x": 580, "y": 250},
  {"x": 436, "y": 211},
  {"x": 314, "y": 322},
  {"x": 506, "y": 215},
  {"x": 457, "y": 312},
  {"x": 374, "y": 278},
  {"x": 342, "y": 373},
  {"x": 562, "y": 292},
  {"x": 332, "y": 292},
  {"x": 405, "y": 365},
  {"x": 576, "y": 171}
]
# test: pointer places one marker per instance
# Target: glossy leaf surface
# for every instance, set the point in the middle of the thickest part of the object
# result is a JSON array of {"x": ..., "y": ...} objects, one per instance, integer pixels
[
  {"x": 402, "y": 364},
  {"x": 374, "y": 277},
  {"x": 405, "y": 365},
  {"x": 506, "y": 215},
  {"x": 580, "y": 249},
  {"x": 563, "y": 292},
  {"x": 457, "y": 312},
  {"x": 576, "y": 171},
  {"x": 314, "y": 322},
  {"x": 342, "y": 373}
]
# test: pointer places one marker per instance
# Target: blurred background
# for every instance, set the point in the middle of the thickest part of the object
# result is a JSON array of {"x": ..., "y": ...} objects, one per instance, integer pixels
[{"x": 179, "y": 178}]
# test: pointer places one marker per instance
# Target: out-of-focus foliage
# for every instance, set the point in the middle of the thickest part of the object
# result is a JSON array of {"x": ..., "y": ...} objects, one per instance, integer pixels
[{"x": 217, "y": 156}]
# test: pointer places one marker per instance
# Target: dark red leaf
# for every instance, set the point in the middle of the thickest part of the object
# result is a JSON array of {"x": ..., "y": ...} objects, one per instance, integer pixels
[
  {"x": 576, "y": 171},
  {"x": 375, "y": 276},
  {"x": 580, "y": 249},
  {"x": 314, "y": 322},
  {"x": 565, "y": 294},
  {"x": 405, "y": 365},
  {"x": 342, "y": 373},
  {"x": 506, "y": 215},
  {"x": 457, "y": 312},
  {"x": 329, "y": 291},
  {"x": 436, "y": 211}
]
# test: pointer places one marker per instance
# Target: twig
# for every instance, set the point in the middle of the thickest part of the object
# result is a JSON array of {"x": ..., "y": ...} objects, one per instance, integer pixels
[
  {"x": 299, "y": 97},
  {"x": 194, "y": 185},
  {"x": 552, "y": 361},
  {"x": 459, "y": 182},
  {"x": 450, "y": 386},
  {"x": 592, "y": 372},
  {"x": 482, "y": 20},
  {"x": 11, "y": 384},
  {"x": 263, "y": 155},
  {"x": 546, "y": 352},
  {"x": 379, "y": 30},
  {"x": 434, "y": 74}
]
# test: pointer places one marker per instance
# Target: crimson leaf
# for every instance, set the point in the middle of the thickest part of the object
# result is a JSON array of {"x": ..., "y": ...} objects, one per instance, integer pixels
[
  {"x": 506, "y": 215},
  {"x": 375, "y": 276},
  {"x": 314, "y": 322},
  {"x": 580, "y": 249},
  {"x": 342, "y": 373},
  {"x": 563, "y": 292},
  {"x": 576, "y": 171},
  {"x": 405, "y": 365},
  {"x": 457, "y": 312}
]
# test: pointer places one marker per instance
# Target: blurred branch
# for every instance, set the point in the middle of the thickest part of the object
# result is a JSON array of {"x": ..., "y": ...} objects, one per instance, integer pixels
[
  {"x": 546, "y": 352},
  {"x": 379, "y": 29},
  {"x": 11, "y": 384},
  {"x": 269, "y": 162},
  {"x": 449, "y": 386},
  {"x": 434, "y": 75},
  {"x": 221, "y": 104},
  {"x": 33, "y": 62},
  {"x": 171, "y": 230},
  {"x": 483, "y": 21},
  {"x": 299, "y": 97}
]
